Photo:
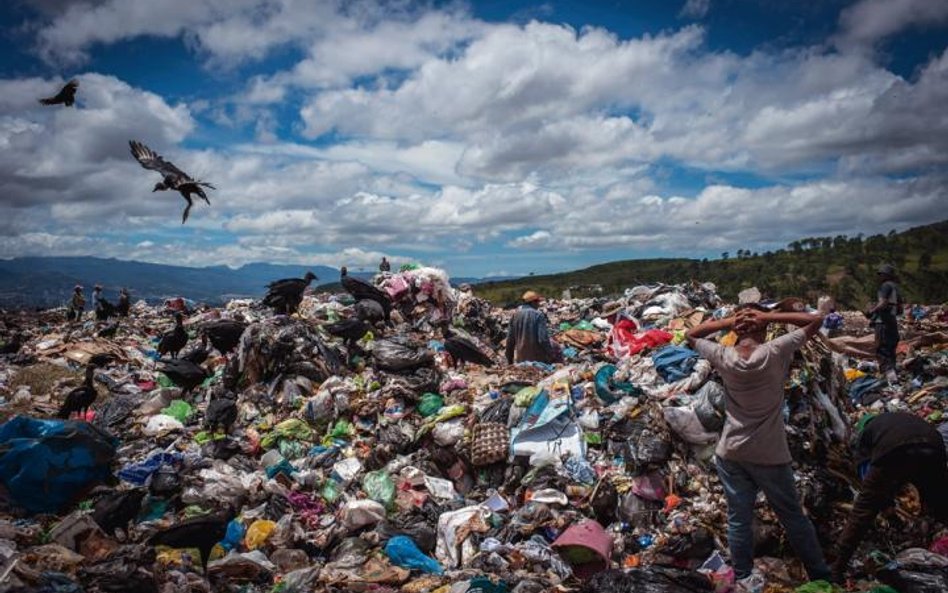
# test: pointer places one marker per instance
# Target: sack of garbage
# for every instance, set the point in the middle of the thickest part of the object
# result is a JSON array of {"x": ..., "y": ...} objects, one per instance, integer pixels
[
  {"x": 685, "y": 422},
  {"x": 46, "y": 465},
  {"x": 399, "y": 354}
]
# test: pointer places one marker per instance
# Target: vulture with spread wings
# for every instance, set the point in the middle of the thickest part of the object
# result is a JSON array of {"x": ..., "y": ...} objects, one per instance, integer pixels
[
  {"x": 174, "y": 178},
  {"x": 66, "y": 95}
]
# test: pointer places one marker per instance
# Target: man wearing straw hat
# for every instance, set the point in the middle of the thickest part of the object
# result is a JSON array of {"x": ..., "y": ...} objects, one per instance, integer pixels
[{"x": 528, "y": 337}]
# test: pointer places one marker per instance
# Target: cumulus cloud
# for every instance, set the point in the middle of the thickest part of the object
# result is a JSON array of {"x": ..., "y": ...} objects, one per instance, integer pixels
[
  {"x": 868, "y": 21},
  {"x": 426, "y": 130}
]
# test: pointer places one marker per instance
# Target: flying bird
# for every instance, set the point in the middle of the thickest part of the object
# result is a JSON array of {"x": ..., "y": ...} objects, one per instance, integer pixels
[
  {"x": 463, "y": 349},
  {"x": 66, "y": 95},
  {"x": 285, "y": 295},
  {"x": 80, "y": 399},
  {"x": 173, "y": 341},
  {"x": 174, "y": 178},
  {"x": 361, "y": 290}
]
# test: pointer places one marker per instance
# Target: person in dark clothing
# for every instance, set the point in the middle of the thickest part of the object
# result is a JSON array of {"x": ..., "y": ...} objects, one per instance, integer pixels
[
  {"x": 884, "y": 319},
  {"x": 76, "y": 305},
  {"x": 384, "y": 266},
  {"x": 528, "y": 337},
  {"x": 123, "y": 305},
  {"x": 891, "y": 450}
]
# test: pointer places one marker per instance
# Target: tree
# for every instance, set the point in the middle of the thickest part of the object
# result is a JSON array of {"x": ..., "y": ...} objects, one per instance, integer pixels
[{"x": 725, "y": 255}]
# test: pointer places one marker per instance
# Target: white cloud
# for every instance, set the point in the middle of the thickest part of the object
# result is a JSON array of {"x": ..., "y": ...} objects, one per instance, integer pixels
[
  {"x": 695, "y": 9},
  {"x": 869, "y": 21}
]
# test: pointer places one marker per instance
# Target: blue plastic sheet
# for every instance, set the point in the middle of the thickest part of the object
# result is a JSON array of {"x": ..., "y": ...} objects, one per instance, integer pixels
[
  {"x": 138, "y": 473},
  {"x": 674, "y": 363},
  {"x": 403, "y": 551},
  {"x": 46, "y": 465},
  {"x": 862, "y": 387}
]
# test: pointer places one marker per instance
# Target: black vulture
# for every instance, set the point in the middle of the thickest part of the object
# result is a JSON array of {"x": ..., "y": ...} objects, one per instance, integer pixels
[
  {"x": 173, "y": 341},
  {"x": 463, "y": 349},
  {"x": 224, "y": 334},
  {"x": 198, "y": 354},
  {"x": 201, "y": 533},
  {"x": 116, "y": 509},
  {"x": 285, "y": 295},
  {"x": 361, "y": 290},
  {"x": 221, "y": 411},
  {"x": 80, "y": 398},
  {"x": 183, "y": 373},
  {"x": 174, "y": 178},
  {"x": 350, "y": 330},
  {"x": 108, "y": 331},
  {"x": 66, "y": 95},
  {"x": 369, "y": 311}
]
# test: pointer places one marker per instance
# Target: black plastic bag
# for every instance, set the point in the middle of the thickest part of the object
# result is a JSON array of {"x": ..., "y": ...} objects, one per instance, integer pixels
[
  {"x": 910, "y": 581},
  {"x": 654, "y": 579},
  {"x": 400, "y": 354}
]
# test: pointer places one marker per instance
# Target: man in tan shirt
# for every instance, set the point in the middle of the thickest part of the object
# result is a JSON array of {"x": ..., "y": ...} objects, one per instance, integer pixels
[{"x": 752, "y": 453}]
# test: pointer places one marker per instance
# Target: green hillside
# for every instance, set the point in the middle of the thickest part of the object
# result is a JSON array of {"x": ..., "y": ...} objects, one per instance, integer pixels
[{"x": 841, "y": 266}]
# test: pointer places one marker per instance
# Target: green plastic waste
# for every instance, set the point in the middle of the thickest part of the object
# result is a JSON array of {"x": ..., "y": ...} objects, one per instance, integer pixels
[
  {"x": 820, "y": 586},
  {"x": 179, "y": 409},
  {"x": 330, "y": 490},
  {"x": 292, "y": 449},
  {"x": 164, "y": 381},
  {"x": 564, "y": 326},
  {"x": 430, "y": 404},
  {"x": 341, "y": 430},
  {"x": 380, "y": 487},
  {"x": 525, "y": 396},
  {"x": 584, "y": 325},
  {"x": 294, "y": 428}
]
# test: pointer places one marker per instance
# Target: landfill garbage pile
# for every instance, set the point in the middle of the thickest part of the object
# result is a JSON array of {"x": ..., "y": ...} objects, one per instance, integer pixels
[{"x": 318, "y": 454}]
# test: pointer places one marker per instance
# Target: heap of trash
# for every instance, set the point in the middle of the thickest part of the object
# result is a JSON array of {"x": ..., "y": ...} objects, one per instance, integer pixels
[{"x": 298, "y": 460}]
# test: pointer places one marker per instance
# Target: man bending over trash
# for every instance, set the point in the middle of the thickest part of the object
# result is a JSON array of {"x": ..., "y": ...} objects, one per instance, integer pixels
[
  {"x": 892, "y": 449},
  {"x": 752, "y": 453}
]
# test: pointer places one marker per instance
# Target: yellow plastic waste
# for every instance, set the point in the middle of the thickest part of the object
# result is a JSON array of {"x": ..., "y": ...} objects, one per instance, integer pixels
[
  {"x": 729, "y": 340},
  {"x": 853, "y": 374},
  {"x": 258, "y": 533}
]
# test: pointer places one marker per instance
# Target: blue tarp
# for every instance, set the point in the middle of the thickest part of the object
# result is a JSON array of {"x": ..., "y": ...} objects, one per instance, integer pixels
[{"x": 46, "y": 465}]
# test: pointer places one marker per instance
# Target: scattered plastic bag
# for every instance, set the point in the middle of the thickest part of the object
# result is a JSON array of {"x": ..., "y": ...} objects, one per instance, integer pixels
[
  {"x": 403, "y": 552},
  {"x": 378, "y": 485}
]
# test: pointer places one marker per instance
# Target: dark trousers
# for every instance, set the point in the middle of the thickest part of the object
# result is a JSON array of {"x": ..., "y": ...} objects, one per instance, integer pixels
[
  {"x": 922, "y": 465},
  {"x": 887, "y": 339},
  {"x": 741, "y": 482}
]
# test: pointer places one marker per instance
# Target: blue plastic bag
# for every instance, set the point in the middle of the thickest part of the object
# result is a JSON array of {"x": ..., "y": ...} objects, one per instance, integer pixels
[
  {"x": 138, "y": 473},
  {"x": 46, "y": 465},
  {"x": 402, "y": 551},
  {"x": 674, "y": 363}
]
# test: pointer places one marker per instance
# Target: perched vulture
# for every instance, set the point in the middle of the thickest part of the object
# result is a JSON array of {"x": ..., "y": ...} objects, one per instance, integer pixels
[
  {"x": 183, "y": 373},
  {"x": 285, "y": 296},
  {"x": 224, "y": 334},
  {"x": 463, "y": 350},
  {"x": 361, "y": 290},
  {"x": 80, "y": 399},
  {"x": 173, "y": 341}
]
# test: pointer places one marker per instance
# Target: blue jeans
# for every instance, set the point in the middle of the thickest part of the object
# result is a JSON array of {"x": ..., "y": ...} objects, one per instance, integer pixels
[{"x": 741, "y": 483}]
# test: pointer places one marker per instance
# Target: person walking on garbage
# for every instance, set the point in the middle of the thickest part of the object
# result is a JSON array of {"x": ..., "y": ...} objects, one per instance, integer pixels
[
  {"x": 884, "y": 319},
  {"x": 752, "y": 452},
  {"x": 528, "y": 337},
  {"x": 892, "y": 449},
  {"x": 123, "y": 305},
  {"x": 76, "y": 305},
  {"x": 384, "y": 266}
]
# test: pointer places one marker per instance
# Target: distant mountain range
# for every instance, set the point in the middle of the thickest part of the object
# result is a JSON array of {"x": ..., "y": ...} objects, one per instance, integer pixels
[{"x": 48, "y": 281}]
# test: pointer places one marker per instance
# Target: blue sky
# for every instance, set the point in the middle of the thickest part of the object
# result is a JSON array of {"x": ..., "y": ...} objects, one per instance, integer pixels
[{"x": 485, "y": 137}]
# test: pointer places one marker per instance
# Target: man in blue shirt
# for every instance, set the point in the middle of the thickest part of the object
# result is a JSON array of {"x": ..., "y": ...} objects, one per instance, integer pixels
[{"x": 528, "y": 337}]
